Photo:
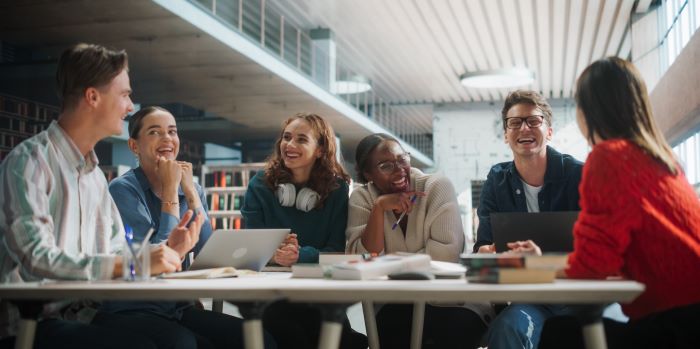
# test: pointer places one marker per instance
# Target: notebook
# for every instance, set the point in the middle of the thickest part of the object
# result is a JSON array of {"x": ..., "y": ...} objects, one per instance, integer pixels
[
  {"x": 241, "y": 249},
  {"x": 551, "y": 231}
]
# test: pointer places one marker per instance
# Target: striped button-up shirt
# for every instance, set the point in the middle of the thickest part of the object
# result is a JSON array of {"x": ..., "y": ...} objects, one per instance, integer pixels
[{"x": 57, "y": 218}]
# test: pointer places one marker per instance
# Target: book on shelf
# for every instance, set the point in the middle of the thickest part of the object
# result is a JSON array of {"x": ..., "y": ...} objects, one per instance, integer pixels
[
  {"x": 211, "y": 273},
  {"x": 514, "y": 260},
  {"x": 377, "y": 267},
  {"x": 498, "y": 275}
]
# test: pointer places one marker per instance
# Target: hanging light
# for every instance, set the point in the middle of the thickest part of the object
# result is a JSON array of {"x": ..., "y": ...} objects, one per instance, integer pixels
[{"x": 498, "y": 78}]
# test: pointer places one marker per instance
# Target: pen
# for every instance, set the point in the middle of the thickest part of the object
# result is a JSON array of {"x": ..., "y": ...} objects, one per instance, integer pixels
[
  {"x": 145, "y": 241},
  {"x": 413, "y": 201},
  {"x": 129, "y": 237}
]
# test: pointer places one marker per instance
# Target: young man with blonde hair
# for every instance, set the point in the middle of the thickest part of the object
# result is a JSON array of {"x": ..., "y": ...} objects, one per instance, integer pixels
[{"x": 57, "y": 218}]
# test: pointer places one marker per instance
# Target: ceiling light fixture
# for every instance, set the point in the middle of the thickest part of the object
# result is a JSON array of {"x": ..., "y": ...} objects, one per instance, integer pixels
[
  {"x": 351, "y": 85},
  {"x": 498, "y": 78}
]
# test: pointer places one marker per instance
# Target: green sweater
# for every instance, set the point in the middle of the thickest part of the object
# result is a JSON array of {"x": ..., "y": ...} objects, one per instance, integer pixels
[{"x": 319, "y": 230}]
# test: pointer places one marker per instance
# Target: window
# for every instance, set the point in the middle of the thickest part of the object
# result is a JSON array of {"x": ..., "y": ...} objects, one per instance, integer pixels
[{"x": 688, "y": 152}]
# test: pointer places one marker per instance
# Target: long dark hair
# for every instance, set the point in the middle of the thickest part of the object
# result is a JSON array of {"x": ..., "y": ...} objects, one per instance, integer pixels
[
  {"x": 615, "y": 104},
  {"x": 364, "y": 150},
  {"x": 326, "y": 169}
]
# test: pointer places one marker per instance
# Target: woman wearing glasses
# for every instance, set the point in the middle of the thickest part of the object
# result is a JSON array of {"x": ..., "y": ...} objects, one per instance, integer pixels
[
  {"x": 426, "y": 210},
  {"x": 305, "y": 188}
]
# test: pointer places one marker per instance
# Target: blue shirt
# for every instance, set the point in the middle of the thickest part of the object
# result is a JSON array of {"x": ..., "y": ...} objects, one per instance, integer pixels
[
  {"x": 503, "y": 191},
  {"x": 140, "y": 209},
  {"x": 319, "y": 230}
]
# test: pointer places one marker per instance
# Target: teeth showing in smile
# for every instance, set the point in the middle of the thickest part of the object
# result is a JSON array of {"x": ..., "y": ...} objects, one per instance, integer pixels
[
  {"x": 165, "y": 150},
  {"x": 292, "y": 155},
  {"x": 526, "y": 140},
  {"x": 399, "y": 182}
]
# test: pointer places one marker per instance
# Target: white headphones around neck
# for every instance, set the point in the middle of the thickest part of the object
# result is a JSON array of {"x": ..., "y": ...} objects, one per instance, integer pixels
[{"x": 305, "y": 200}]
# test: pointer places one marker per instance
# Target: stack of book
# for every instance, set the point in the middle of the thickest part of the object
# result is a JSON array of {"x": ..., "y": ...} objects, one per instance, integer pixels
[
  {"x": 510, "y": 268},
  {"x": 377, "y": 267},
  {"x": 324, "y": 267}
]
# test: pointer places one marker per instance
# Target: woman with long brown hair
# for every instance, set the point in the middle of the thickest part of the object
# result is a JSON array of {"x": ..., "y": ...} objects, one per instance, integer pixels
[
  {"x": 304, "y": 188},
  {"x": 640, "y": 218}
]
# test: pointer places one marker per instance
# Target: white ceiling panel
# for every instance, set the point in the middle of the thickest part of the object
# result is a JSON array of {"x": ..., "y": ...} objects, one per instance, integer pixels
[{"x": 413, "y": 51}]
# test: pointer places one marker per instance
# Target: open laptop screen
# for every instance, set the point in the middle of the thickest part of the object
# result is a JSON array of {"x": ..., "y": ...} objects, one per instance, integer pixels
[
  {"x": 551, "y": 231},
  {"x": 241, "y": 248}
]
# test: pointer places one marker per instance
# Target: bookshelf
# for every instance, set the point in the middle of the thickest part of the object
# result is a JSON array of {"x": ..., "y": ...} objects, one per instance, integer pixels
[
  {"x": 225, "y": 187},
  {"x": 192, "y": 152},
  {"x": 21, "y": 119}
]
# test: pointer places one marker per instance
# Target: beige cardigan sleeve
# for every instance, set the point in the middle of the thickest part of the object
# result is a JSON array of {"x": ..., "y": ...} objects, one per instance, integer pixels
[
  {"x": 359, "y": 208},
  {"x": 445, "y": 238}
]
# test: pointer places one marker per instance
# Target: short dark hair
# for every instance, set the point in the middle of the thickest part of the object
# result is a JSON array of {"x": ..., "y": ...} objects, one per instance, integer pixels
[
  {"x": 136, "y": 120},
  {"x": 529, "y": 97},
  {"x": 364, "y": 150},
  {"x": 83, "y": 66}
]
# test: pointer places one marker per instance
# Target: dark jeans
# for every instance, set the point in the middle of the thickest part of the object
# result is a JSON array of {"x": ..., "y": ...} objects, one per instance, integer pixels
[
  {"x": 672, "y": 329},
  {"x": 197, "y": 328},
  {"x": 296, "y": 325},
  {"x": 75, "y": 335},
  {"x": 443, "y": 327}
]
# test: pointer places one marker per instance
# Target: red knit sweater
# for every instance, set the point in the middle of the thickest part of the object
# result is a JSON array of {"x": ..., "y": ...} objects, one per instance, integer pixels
[{"x": 639, "y": 221}]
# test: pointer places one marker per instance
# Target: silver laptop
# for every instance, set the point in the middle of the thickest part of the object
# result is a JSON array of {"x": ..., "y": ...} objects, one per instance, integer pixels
[
  {"x": 551, "y": 231},
  {"x": 241, "y": 249}
]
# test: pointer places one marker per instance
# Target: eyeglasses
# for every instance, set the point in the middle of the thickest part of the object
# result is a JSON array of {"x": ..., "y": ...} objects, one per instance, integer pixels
[
  {"x": 532, "y": 121},
  {"x": 388, "y": 167}
]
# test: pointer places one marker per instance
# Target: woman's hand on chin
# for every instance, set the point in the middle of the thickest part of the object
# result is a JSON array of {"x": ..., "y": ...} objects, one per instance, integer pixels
[{"x": 398, "y": 202}]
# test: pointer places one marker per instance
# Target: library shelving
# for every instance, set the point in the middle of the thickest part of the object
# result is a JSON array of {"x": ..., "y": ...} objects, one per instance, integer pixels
[
  {"x": 21, "y": 119},
  {"x": 225, "y": 187}
]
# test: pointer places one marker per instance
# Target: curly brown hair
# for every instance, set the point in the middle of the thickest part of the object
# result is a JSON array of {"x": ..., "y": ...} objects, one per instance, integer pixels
[{"x": 326, "y": 169}]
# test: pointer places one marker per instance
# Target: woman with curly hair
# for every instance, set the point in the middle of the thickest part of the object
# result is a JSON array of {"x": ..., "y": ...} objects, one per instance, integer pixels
[{"x": 304, "y": 188}]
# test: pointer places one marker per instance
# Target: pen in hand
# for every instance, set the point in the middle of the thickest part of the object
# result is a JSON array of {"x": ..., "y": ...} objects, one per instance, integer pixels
[{"x": 413, "y": 201}]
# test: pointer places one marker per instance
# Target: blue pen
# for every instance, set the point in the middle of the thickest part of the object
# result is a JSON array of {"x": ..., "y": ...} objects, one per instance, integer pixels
[
  {"x": 413, "y": 201},
  {"x": 129, "y": 236}
]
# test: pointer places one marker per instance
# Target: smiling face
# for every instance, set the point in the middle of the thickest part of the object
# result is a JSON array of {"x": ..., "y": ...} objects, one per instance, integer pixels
[
  {"x": 387, "y": 181},
  {"x": 527, "y": 141},
  {"x": 114, "y": 103},
  {"x": 157, "y": 137},
  {"x": 299, "y": 147}
]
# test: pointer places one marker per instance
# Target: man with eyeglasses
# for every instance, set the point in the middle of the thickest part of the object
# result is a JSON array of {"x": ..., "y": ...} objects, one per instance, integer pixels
[{"x": 538, "y": 179}]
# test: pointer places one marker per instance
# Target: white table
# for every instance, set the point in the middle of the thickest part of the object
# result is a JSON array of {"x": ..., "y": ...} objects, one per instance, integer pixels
[{"x": 276, "y": 286}]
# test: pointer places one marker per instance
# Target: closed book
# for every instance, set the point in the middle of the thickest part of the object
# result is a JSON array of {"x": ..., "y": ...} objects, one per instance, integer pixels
[
  {"x": 311, "y": 270},
  {"x": 513, "y": 260},
  {"x": 381, "y": 266},
  {"x": 211, "y": 273},
  {"x": 510, "y": 275},
  {"x": 334, "y": 258}
]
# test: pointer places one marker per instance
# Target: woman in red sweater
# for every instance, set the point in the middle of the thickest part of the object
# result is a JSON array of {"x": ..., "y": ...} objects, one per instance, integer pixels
[{"x": 640, "y": 218}]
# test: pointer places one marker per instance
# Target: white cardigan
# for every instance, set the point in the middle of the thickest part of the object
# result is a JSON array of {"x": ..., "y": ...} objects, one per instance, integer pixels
[{"x": 434, "y": 226}]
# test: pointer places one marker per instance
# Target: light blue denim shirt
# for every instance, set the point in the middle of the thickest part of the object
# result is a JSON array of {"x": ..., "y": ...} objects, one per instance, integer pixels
[{"x": 140, "y": 209}]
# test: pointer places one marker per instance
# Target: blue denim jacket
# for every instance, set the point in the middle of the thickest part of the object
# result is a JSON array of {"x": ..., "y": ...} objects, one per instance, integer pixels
[{"x": 503, "y": 191}]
